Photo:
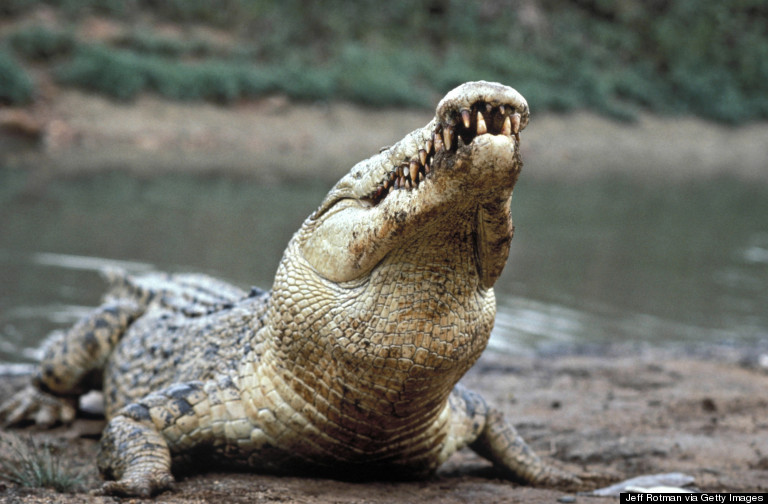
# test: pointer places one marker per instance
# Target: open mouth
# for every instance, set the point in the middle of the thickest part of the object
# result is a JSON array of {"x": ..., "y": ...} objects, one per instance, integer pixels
[{"x": 456, "y": 129}]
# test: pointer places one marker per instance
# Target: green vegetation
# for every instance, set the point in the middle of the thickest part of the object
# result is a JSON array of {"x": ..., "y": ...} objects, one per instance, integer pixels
[
  {"x": 15, "y": 85},
  {"x": 703, "y": 57},
  {"x": 31, "y": 463}
]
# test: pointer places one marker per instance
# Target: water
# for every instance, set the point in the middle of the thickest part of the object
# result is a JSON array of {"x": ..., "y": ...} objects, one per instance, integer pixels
[{"x": 593, "y": 261}]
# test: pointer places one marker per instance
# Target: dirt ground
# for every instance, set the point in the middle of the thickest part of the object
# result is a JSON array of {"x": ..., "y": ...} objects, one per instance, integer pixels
[{"x": 612, "y": 416}]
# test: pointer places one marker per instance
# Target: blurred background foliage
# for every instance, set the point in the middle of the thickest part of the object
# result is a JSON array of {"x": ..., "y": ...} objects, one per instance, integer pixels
[{"x": 702, "y": 57}]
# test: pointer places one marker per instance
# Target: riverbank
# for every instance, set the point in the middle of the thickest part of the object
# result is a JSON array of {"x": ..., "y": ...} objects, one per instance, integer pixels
[
  {"x": 616, "y": 415},
  {"x": 275, "y": 139}
]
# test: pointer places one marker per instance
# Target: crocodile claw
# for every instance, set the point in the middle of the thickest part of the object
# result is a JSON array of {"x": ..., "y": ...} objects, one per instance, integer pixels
[
  {"x": 555, "y": 477},
  {"x": 30, "y": 404}
]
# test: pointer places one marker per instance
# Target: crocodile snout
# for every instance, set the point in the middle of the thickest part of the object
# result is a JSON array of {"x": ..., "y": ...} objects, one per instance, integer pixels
[{"x": 468, "y": 111}]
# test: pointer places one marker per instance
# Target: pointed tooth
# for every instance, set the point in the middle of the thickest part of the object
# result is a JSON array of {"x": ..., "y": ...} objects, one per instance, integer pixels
[
  {"x": 481, "y": 128},
  {"x": 448, "y": 137},
  {"x": 515, "y": 123},
  {"x": 488, "y": 108},
  {"x": 406, "y": 172},
  {"x": 401, "y": 181},
  {"x": 428, "y": 146},
  {"x": 502, "y": 109},
  {"x": 426, "y": 169},
  {"x": 438, "y": 141},
  {"x": 506, "y": 128},
  {"x": 414, "y": 170},
  {"x": 408, "y": 183},
  {"x": 465, "y": 117},
  {"x": 422, "y": 156}
]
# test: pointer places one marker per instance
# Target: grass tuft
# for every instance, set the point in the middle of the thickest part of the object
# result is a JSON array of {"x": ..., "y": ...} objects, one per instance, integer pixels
[{"x": 36, "y": 464}]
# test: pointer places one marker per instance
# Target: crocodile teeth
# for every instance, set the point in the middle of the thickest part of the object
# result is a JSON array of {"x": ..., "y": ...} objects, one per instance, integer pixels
[
  {"x": 481, "y": 127},
  {"x": 448, "y": 137},
  {"x": 515, "y": 123},
  {"x": 414, "y": 169},
  {"x": 465, "y": 117},
  {"x": 455, "y": 133},
  {"x": 506, "y": 128},
  {"x": 437, "y": 140}
]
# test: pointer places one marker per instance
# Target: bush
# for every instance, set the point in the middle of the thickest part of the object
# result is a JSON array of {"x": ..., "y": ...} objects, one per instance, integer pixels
[
  {"x": 39, "y": 43},
  {"x": 379, "y": 77},
  {"x": 148, "y": 44},
  {"x": 14, "y": 7},
  {"x": 703, "y": 57},
  {"x": 118, "y": 74},
  {"x": 16, "y": 87}
]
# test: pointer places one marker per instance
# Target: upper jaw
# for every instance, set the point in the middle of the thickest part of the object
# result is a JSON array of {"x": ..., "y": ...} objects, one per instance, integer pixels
[{"x": 466, "y": 112}]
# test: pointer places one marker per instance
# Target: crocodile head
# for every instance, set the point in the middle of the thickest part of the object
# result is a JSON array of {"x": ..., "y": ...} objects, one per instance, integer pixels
[
  {"x": 462, "y": 165},
  {"x": 388, "y": 285}
]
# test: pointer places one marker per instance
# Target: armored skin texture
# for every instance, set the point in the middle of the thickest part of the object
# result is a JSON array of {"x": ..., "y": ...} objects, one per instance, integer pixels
[{"x": 348, "y": 367}]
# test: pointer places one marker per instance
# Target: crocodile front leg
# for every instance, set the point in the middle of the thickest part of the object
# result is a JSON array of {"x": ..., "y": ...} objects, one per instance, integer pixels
[
  {"x": 486, "y": 431},
  {"x": 71, "y": 366},
  {"x": 140, "y": 441}
]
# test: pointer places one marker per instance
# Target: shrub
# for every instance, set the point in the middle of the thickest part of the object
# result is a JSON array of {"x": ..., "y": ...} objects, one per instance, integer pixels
[
  {"x": 40, "y": 43},
  {"x": 703, "y": 57},
  {"x": 118, "y": 74},
  {"x": 16, "y": 87}
]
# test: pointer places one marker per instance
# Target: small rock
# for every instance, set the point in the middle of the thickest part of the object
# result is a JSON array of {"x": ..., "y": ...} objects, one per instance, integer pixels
[{"x": 646, "y": 481}]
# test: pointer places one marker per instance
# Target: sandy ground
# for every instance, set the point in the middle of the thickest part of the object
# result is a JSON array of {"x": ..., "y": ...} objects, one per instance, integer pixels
[{"x": 612, "y": 416}]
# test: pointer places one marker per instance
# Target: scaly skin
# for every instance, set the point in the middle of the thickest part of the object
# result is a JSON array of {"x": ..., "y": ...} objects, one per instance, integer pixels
[{"x": 349, "y": 366}]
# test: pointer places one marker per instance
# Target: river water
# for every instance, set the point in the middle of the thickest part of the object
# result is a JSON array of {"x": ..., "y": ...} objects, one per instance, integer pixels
[{"x": 595, "y": 261}]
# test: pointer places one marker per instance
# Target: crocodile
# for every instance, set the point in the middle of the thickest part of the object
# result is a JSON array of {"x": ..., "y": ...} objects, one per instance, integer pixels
[{"x": 349, "y": 366}]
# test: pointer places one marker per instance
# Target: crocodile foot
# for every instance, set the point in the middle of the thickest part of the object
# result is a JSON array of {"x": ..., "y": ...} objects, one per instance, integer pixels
[
  {"x": 135, "y": 456},
  {"x": 31, "y": 404},
  {"x": 139, "y": 485},
  {"x": 553, "y": 477}
]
